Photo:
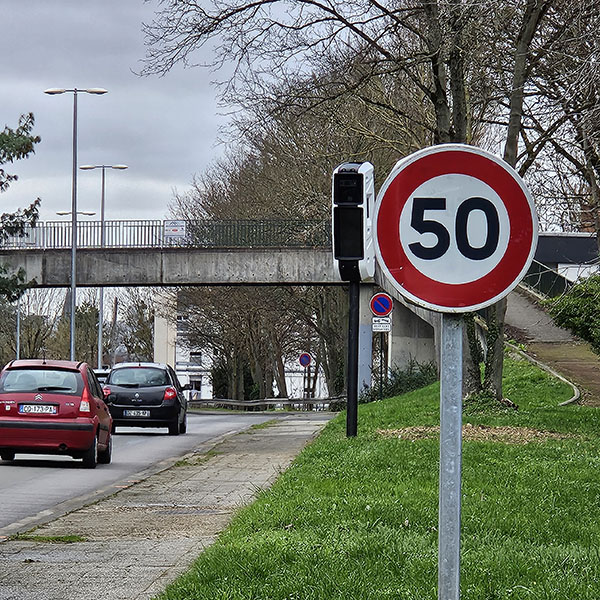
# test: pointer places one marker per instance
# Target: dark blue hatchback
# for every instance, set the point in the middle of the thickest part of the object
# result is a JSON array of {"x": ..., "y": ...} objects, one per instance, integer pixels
[{"x": 146, "y": 395}]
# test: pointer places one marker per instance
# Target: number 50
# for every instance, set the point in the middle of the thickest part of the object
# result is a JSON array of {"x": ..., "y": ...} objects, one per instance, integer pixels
[{"x": 422, "y": 225}]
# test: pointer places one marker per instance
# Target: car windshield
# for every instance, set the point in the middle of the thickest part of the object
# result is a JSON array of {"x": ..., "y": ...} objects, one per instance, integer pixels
[
  {"x": 41, "y": 380},
  {"x": 138, "y": 377}
]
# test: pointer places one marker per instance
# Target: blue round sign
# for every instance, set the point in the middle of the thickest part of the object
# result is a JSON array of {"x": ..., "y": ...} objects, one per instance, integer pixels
[
  {"x": 381, "y": 305},
  {"x": 305, "y": 359}
]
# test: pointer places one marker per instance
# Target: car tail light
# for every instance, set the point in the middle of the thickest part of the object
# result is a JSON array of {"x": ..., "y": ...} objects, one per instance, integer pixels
[
  {"x": 84, "y": 405},
  {"x": 106, "y": 391},
  {"x": 170, "y": 393}
]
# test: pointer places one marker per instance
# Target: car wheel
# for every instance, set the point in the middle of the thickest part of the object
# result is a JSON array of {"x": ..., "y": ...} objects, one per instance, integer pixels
[
  {"x": 183, "y": 424},
  {"x": 174, "y": 427},
  {"x": 105, "y": 456},
  {"x": 7, "y": 455},
  {"x": 90, "y": 456}
]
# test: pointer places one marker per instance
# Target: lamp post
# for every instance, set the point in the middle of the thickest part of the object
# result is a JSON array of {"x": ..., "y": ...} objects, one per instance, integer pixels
[
  {"x": 102, "y": 242},
  {"x": 74, "y": 91},
  {"x": 87, "y": 213},
  {"x": 18, "y": 348}
]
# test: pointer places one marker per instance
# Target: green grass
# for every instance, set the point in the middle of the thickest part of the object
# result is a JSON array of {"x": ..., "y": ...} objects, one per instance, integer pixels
[
  {"x": 264, "y": 425},
  {"x": 52, "y": 539},
  {"x": 357, "y": 518},
  {"x": 195, "y": 460}
]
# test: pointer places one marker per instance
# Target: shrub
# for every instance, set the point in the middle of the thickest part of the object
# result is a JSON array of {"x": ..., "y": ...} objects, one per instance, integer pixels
[
  {"x": 577, "y": 310},
  {"x": 400, "y": 381}
]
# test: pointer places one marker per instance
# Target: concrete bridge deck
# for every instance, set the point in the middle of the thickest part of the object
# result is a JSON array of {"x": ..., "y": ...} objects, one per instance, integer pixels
[{"x": 175, "y": 266}]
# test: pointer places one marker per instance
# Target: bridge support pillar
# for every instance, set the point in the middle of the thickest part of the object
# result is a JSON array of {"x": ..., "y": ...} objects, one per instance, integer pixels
[
  {"x": 411, "y": 339},
  {"x": 165, "y": 340},
  {"x": 365, "y": 338}
]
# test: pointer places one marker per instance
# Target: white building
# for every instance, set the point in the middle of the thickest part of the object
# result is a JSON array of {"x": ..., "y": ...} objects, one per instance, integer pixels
[{"x": 194, "y": 366}]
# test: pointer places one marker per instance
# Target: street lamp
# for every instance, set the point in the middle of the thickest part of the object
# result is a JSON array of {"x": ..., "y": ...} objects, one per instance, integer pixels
[
  {"x": 87, "y": 213},
  {"x": 102, "y": 242},
  {"x": 74, "y": 91}
]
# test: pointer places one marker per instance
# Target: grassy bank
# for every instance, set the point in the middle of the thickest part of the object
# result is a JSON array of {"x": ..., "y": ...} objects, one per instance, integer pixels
[{"x": 357, "y": 518}]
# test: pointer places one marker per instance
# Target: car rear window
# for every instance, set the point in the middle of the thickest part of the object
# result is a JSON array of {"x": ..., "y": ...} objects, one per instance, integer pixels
[
  {"x": 41, "y": 380},
  {"x": 139, "y": 377}
]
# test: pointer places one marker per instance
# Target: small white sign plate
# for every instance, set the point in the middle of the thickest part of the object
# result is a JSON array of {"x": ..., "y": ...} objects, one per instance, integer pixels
[{"x": 382, "y": 323}]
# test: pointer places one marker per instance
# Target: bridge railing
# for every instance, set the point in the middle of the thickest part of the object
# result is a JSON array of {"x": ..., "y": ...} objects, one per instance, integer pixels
[
  {"x": 545, "y": 280},
  {"x": 194, "y": 233}
]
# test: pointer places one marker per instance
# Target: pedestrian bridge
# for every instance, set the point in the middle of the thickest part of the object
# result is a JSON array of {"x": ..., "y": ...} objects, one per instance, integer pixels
[
  {"x": 212, "y": 252},
  {"x": 175, "y": 253}
]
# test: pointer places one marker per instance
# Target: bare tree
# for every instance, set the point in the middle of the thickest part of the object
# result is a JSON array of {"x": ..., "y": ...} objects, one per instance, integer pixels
[
  {"x": 136, "y": 326},
  {"x": 39, "y": 314},
  {"x": 466, "y": 66}
]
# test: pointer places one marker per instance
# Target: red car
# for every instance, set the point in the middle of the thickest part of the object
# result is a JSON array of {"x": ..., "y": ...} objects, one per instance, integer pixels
[{"x": 54, "y": 407}]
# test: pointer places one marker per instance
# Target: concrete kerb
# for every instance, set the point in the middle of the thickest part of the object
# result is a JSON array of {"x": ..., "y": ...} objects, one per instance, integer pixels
[{"x": 576, "y": 393}]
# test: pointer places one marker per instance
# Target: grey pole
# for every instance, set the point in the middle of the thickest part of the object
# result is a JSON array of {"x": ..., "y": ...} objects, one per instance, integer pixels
[
  {"x": 450, "y": 458},
  {"x": 74, "y": 230},
  {"x": 102, "y": 245},
  {"x": 18, "y": 328},
  {"x": 101, "y": 292},
  {"x": 352, "y": 382},
  {"x": 53, "y": 91}
]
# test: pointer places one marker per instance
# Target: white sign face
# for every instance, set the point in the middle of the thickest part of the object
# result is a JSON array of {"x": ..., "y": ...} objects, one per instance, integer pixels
[
  {"x": 455, "y": 228},
  {"x": 476, "y": 221},
  {"x": 381, "y": 323},
  {"x": 382, "y": 320},
  {"x": 174, "y": 228}
]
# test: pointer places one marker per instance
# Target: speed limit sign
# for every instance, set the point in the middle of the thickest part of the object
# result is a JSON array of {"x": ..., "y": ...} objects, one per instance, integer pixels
[{"x": 456, "y": 228}]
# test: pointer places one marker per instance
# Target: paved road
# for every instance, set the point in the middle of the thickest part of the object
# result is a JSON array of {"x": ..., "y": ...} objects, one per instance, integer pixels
[{"x": 36, "y": 488}]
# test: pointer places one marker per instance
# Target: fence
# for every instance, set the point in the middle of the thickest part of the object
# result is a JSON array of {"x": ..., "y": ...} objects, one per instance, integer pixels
[
  {"x": 545, "y": 280},
  {"x": 306, "y": 404},
  {"x": 193, "y": 233}
]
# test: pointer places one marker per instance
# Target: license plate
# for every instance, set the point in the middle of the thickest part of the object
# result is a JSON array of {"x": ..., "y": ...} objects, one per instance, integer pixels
[
  {"x": 38, "y": 409},
  {"x": 136, "y": 413}
]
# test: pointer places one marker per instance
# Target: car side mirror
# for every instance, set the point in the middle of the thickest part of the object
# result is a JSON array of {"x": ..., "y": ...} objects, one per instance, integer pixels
[{"x": 187, "y": 386}]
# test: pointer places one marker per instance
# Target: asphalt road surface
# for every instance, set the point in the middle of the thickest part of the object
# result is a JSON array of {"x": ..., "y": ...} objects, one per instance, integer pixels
[{"x": 37, "y": 488}]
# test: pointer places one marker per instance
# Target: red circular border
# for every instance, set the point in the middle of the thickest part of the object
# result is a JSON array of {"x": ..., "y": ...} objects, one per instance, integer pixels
[
  {"x": 374, "y": 299},
  {"x": 473, "y": 293},
  {"x": 305, "y": 354}
]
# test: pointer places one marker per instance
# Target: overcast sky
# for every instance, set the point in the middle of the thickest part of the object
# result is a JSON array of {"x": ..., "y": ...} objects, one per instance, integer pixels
[{"x": 164, "y": 129}]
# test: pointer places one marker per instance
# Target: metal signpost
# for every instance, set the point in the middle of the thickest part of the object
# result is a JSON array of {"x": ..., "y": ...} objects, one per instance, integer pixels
[
  {"x": 455, "y": 231},
  {"x": 305, "y": 360},
  {"x": 381, "y": 306}
]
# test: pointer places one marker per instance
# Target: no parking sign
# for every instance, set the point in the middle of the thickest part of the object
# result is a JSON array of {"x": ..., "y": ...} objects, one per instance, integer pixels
[
  {"x": 381, "y": 304},
  {"x": 305, "y": 359}
]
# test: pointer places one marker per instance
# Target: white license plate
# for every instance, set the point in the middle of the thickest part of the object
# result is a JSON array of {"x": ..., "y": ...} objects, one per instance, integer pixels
[
  {"x": 136, "y": 413},
  {"x": 41, "y": 409}
]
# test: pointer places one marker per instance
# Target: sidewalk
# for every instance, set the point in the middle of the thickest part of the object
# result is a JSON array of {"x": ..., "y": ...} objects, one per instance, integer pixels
[
  {"x": 140, "y": 539},
  {"x": 556, "y": 347}
]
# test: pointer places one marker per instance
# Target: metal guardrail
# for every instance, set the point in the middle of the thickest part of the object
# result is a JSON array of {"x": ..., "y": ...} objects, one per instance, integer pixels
[
  {"x": 311, "y": 404},
  {"x": 192, "y": 233},
  {"x": 545, "y": 280}
]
